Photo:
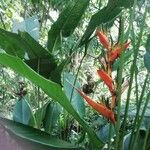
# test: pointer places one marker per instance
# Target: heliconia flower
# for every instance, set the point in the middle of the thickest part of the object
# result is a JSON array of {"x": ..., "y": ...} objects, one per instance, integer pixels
[
  {"x": 102, "y": 109},
  {"x": 106, "y": 78},
  {"x": 103, "y": 39},
  {"x": 116, "y": 53}
]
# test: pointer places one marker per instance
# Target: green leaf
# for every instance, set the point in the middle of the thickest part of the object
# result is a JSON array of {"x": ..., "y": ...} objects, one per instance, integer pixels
[
  {"x": 147, "y": 61},
  {"x": 52, "y": 89},
  {"x": 40, "y": 115},
  {"x": 98, "y": 18},
  {"x": 52, "y": 115},
  {"x": 126, "y": 3},
  {"x": 38, "y": 139},
  {"x": 66, "y": 23},
  {"x": 37, "y": 50},
  {"x": 44, "y": 62},
  {"x": 21, "y": 45},
  {"x": 25, "y": 47},
  {"x": 56, "y": 74},
  {"x": 44, "y": 66},
  {"x": 76, "y": 101},
  {"x": 22, "y": 113},
  {"x": 105, "y": 15}
]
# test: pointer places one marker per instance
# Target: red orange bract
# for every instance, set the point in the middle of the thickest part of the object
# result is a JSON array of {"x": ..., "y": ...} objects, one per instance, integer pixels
[
  {"x": 116, "y": 53},
  {"x": 102, "y": 109},
  {"x": 103, "y": 39},
  {"x": 107, "y": 79}
]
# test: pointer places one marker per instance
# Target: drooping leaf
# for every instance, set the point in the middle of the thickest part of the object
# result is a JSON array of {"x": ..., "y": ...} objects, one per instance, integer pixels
[
  {"x": 147, "y": 61},
  {"x": 35, "y": 47},
  {"x": 25, "y": 47},
  {"x": 77, "y": 101},
  {"x": 23, "y": 113},
  {"x": 105, "y": 15},
  {"x": 52, "y": 89},
  {"x": 66, "y": 23},
  {"x": 99, "y": 18},
  {"x": 21, "y": 45},
  {"x": 51, "y": 117},
  {"x": 36, "y": 139},
  {"x": 44, "y": 63}
]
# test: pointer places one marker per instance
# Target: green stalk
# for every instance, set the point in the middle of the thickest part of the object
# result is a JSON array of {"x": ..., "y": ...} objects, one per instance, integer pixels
[
  {"x": 110, "y": 132},
  {"x": 38, "y": 95},
  {"x": 132, "y": 71},
  {"x": 119, "y": 87},
  {"x": 38, "y": 89},
  {"x": 136, "y": 121},
  {"x": 142, "y": 94},
  {"x": 140, "y": 121},
  {"x": 136, "y": 88},
  {"x": 146, "y": 137},
  {"x": 119, "y": 137}
]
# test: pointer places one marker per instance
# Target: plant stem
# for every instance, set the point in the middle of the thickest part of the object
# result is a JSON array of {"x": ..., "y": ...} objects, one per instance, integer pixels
[
  {"x": 136, "y": 88},
  {"x": 132, "y": 141},
  {"x": 110, "y": 132},
  {"x": 141, "y": 119},
  {"x": 38, "y": 89},
  {"x": 146, "y": 137},
  {"x": 119, "y": 85},
  {"x": 132, "y": 71}
]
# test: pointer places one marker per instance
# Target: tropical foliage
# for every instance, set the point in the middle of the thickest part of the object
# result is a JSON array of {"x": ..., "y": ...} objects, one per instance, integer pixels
[{"x": 75, "y": 73}]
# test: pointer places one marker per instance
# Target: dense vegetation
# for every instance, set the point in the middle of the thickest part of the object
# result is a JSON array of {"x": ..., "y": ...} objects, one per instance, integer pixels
[{"x": 74, "y": 74}]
